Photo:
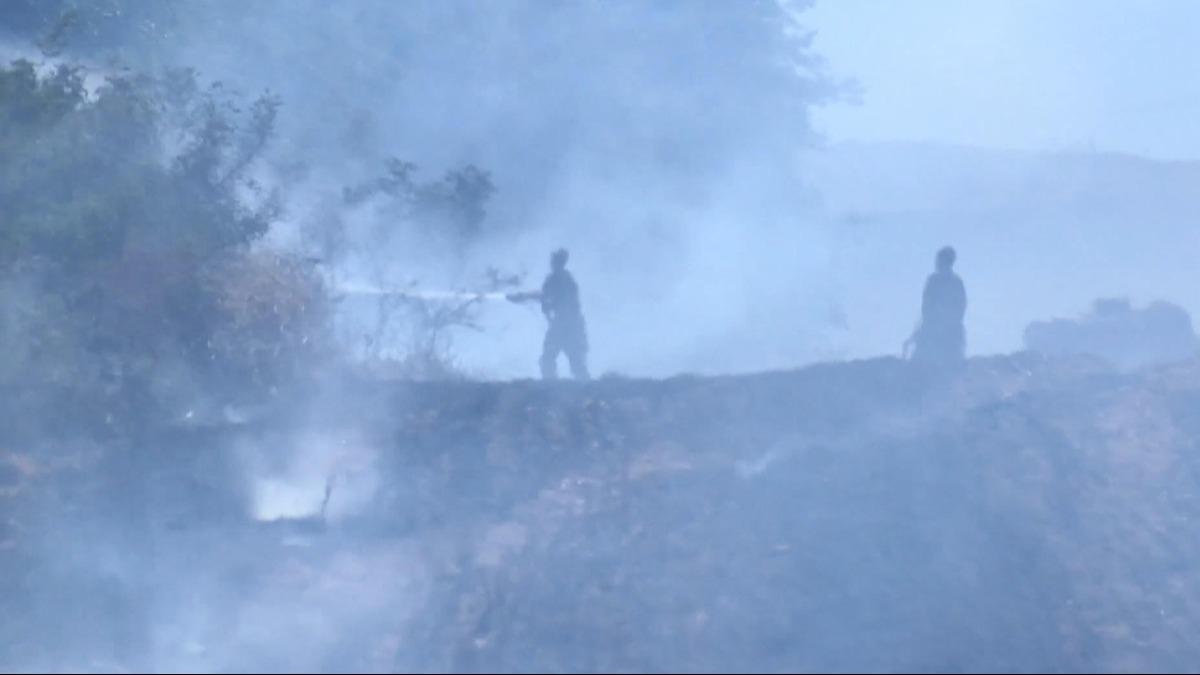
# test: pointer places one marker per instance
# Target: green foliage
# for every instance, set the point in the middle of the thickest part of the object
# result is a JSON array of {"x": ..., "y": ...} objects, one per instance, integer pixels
[
  {"x": 93, "y": 26},
  {"x": 451, "y": 209},
  {"x": 123, "y": 201},
  {"x": 139, "y": 165}
]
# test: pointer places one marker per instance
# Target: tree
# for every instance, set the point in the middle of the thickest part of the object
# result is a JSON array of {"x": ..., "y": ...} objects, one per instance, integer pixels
[
  {"x": 128, "y": 213},
  {"x": 93, "y": 26},
  {"x": 451, "y": 210}
]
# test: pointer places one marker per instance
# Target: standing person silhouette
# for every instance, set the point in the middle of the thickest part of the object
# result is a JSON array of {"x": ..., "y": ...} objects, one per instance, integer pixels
[
  {"x": 940, "y": 337},
  {"x": 566, "y": 332}
]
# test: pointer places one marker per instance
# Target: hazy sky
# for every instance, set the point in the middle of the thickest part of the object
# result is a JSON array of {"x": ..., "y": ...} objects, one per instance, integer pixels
[
  {"x": 661, "y": 143},
  {"x": 1116, "y": 75}
]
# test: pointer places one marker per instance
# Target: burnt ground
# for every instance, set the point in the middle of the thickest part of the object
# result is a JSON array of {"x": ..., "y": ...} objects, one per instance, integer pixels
[{"x": 1025, "y": 514}]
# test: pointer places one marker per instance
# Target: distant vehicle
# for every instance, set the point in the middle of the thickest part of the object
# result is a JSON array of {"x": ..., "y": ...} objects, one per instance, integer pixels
[{"x": 1117, "y": 332}]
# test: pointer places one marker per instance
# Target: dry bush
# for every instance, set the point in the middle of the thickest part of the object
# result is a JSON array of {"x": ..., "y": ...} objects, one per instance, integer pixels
[{"x": 272, "y": 315}]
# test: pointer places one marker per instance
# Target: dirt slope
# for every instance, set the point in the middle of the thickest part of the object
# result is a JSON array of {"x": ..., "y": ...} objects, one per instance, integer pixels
[{"x": 1025, "y": 515}]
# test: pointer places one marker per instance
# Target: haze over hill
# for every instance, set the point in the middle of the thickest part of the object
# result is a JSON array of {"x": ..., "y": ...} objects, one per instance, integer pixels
[{"x": 1040, "y": 235}]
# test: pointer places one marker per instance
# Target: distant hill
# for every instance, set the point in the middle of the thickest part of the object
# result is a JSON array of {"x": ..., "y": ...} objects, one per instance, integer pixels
[
  {"x": 930, "y": 177},
  {"x": 1039, "y": 234}
]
